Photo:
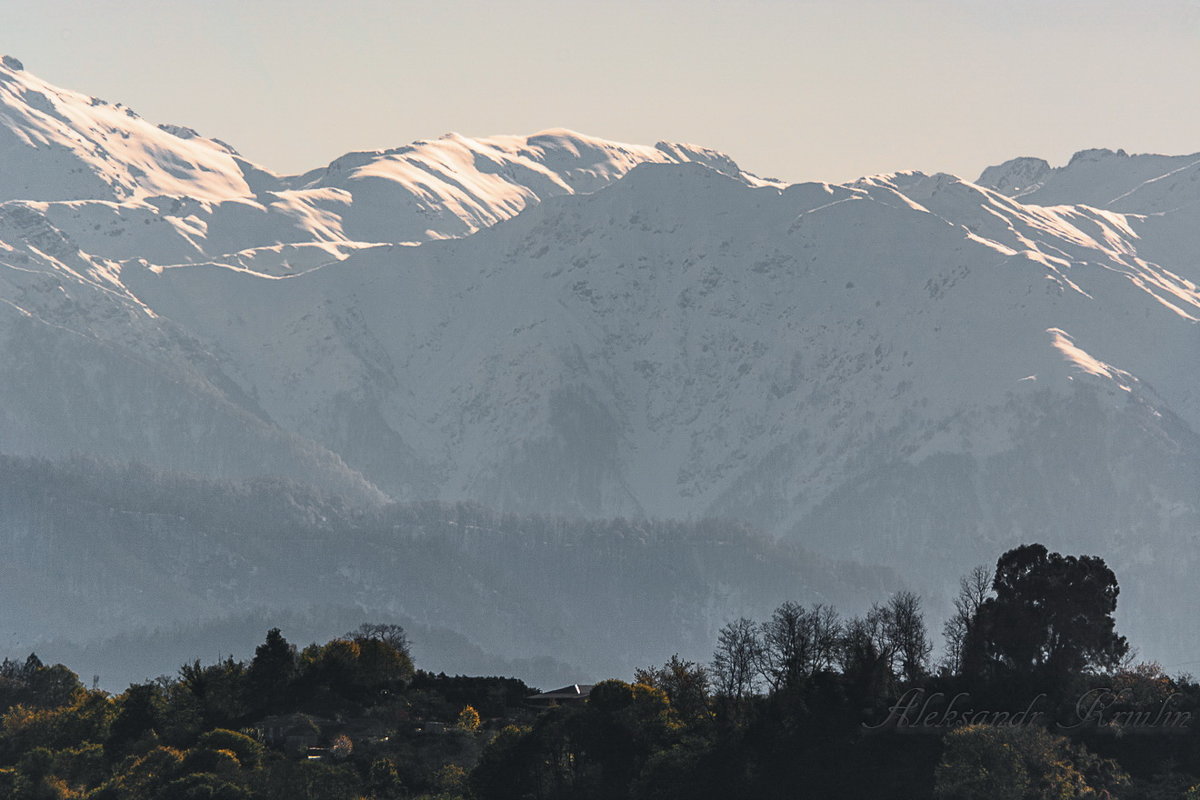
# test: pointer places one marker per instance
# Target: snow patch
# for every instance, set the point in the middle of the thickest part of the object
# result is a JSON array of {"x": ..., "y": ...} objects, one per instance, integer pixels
[{"x": 1088, "y": 363}]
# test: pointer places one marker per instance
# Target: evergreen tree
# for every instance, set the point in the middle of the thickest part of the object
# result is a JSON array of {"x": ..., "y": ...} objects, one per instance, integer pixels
[{"x": 271, "y": 673}]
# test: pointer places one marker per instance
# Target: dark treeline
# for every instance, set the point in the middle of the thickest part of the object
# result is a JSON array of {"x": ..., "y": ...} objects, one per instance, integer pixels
[
  {"x": 115, "y": 662},
  {"x": 1037, "y": 696}
]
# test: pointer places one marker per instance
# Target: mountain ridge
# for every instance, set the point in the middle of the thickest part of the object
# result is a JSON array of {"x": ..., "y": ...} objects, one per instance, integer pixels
[{"x": 1144, "y": 183}]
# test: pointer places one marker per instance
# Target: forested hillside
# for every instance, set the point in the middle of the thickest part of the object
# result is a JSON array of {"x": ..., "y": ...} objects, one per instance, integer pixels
[{"x": 92, "y": 550}]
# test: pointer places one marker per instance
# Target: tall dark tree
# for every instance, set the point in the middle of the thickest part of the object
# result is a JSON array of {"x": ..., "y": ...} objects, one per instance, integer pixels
[
  {"x": 141, "y": 714},
  {"x": 218, "y": 689},
  {"x": 1051, "y": 617},
  {"x": 973, "y": 589},
  {"x": 271, "y": 672},
  {"x": 733, "y": 665},
  {"x": 861, "y": 657},
  {"x": 786, "y": 646},
  {"x": 889, "y": 645},
  {"x": 796, "y": 643},
  {"x": 904, "y": 627}
]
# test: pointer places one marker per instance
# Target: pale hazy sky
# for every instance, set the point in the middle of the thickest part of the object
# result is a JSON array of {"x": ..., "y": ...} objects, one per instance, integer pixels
[{"x": 823, "y": 89}]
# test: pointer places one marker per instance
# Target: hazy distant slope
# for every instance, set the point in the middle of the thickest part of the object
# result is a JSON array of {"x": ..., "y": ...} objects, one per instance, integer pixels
[{"x": 129, "y": 548}]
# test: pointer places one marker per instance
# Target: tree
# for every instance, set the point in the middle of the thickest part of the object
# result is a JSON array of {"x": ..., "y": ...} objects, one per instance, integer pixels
[
  {"x": 1051, "y": 617},
  {"x": 341, "y": 747},
  {"x": 88, "y": 719},
  {"x": 973, "y": 590},
  {"x": 450, "y": 780},
  {"x": 685, "y": 684},
  {"x": 904, "y": 627},
  {"x": 271, "y": 672},
  {"x": 140, "y": 714},
  {"x": 618, "y": 729},
  {"x": 32, "y": 683},
  {"x": 468, "y": 720},
  {"x": 785, "y": 646},
  {"x": 860, "y": 655},
  {"x": 204, "y": 786},
  {"x": 796, "y": 643},
  {"x": 391, "y": 635},
  {"x": 734, "y": 661},
  {"x": 888, "y": 644},
  {"x": 512, "y": 766},
  {"x": 249, "y": 752},
  {"x": 362, "y": 671},
  {"x": 219, "y": 689},
  {"x": 827, "y": 635},
  {"x": 382, "y": 667}
]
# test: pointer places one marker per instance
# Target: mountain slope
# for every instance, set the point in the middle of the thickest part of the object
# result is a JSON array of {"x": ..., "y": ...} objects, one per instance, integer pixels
[
  {"x": 828, "y": 362},
  {"x": 678, "y": 302},
  {"x": 129, "y": 549},
  {"x": 86, "y": 367}
]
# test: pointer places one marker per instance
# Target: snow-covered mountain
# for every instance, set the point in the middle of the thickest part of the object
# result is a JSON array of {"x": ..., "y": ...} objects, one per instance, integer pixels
[
  {"x": 899, "y": 365},
  {"x": 121, "y": 187},
  {"x": 57, "y": 144},
  {"x": 455, "y": 185},
  {"x": 1115, "y": 180},
  {"x": 679, "y": 344}
]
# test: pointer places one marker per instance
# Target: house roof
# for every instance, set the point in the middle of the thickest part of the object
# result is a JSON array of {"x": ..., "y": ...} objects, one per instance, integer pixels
[{"x": 576, "y": 691}]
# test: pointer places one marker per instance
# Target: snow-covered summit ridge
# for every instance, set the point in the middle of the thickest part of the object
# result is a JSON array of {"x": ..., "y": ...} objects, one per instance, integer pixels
[
  {"x": 105, "y": 172},
  {"x": 57, "y": 144},
  {"x": 1143, "y": 183},
  {"x": 455, "y": 185},
  {"x": 1017, "y": 176},
  {"x": 571, "y": 161}
]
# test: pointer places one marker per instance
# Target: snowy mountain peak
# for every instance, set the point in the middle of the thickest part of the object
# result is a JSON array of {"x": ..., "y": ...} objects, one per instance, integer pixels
[
  {"x": 1017, "y": 176},
  {"x": 64, "y": 147},
  {"x": 57, "y": 144},
  {"x": 455, "y": 185},
  {"x": 1096, "y": 154},
  {"x": 1102, "y": 178}
]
